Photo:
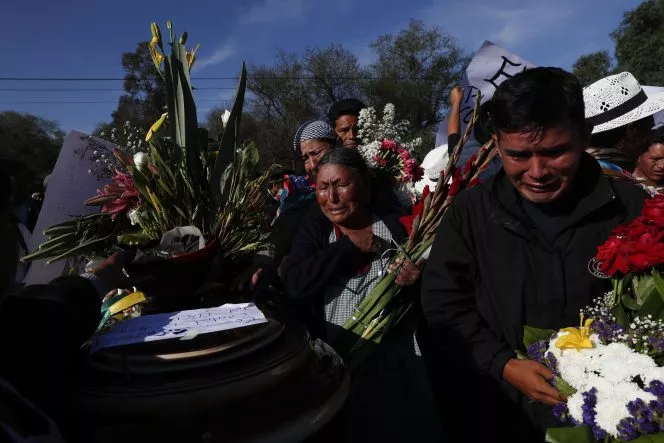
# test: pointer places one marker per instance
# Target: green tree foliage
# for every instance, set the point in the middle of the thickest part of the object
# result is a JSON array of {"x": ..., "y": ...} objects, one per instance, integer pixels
[
  {"x": 30, "y": 147},
  {"x": 297, "y": 87},
  {"x": 415, "y": 70},
  {"x": 640, "y": 42},
  {"x": 639, "y": 48},
  {"x": 144, "y": 99},
  {"x": 592, "y": 67}
]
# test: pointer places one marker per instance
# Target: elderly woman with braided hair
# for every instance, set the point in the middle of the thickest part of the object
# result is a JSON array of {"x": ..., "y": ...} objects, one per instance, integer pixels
[{"x": 337, "y": 257}]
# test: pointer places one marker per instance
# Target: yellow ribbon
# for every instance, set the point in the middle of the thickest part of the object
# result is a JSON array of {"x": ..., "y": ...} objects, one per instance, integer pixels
[
  {"x": 127, "y": 302},
  {"x": 576, "y": 338}
]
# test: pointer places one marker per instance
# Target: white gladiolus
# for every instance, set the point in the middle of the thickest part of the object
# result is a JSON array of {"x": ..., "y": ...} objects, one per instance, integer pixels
[
  {"x": 225, "y": 116},
  {"x": 141, "y": 160}
]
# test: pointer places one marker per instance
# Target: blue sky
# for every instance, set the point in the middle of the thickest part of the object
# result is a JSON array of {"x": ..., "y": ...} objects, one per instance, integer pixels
[{"x": 85, "y": 38}]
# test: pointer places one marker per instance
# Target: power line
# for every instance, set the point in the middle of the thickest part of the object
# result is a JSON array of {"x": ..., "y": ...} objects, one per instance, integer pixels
[
  {"x": 38, "y": 102},
  {"x": 105, "y": 79},
  {"x": 93, "y": 89}
]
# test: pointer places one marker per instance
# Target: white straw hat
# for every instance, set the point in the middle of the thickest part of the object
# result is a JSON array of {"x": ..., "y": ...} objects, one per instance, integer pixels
[
  {"x": 434, "y": 162},
  {"x": 618, "y": 100}
]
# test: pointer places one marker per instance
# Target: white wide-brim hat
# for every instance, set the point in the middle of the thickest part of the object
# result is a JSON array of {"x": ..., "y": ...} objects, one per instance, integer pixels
[
  {"x": 618, "y": 100},
  {"x": 434, "y": 162}
]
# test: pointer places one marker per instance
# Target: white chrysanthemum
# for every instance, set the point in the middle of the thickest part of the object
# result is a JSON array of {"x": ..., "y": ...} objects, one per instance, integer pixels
[
  {"x": 612, "y": 370},
  {"x": 574, "y": 404},
  {"x": 612, "y": 400},
  {"x": 651, "y": 374}
]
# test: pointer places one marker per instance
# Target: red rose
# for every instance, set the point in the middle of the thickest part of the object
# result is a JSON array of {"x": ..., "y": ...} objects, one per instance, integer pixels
[
  {"x": 646, "y": 251},
  {"x": 610, "y": 256},
  {"x": 653, "y": 209},
  {"x": 633, "y": 247}
]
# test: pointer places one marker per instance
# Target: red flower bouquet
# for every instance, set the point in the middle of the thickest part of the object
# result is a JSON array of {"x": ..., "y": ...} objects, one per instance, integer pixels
[{"x": 632, "y": 256}]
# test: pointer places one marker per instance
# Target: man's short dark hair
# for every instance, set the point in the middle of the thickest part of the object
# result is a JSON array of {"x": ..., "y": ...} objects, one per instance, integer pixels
[
  {"x": 347, "y": 106},
  {"x": 537, "y": 99}
]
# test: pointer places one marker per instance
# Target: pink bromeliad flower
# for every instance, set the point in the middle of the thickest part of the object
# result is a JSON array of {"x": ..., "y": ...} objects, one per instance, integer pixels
[{"x": 118, "y": 197}]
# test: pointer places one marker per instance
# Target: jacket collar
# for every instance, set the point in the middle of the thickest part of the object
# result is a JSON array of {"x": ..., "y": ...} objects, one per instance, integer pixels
[{"x": 592, "y": 191}]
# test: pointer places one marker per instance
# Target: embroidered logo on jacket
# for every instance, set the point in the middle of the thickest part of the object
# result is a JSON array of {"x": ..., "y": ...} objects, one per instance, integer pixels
[{"x": 595, "y": 268}]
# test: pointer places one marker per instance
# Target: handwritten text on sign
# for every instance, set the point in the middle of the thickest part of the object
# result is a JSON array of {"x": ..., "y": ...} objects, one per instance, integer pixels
[
  {"x": 490, "y": 66},
  {"x": 183, "y": 325}
]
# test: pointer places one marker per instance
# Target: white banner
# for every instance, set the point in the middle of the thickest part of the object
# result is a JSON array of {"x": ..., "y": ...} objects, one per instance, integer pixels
[
  {"x": 490, "y": 66},
  {"x": 69, "y": 185}
]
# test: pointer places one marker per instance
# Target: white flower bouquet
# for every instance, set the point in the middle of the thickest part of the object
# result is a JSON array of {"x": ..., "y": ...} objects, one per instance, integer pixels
[
  {"x": 383, "y": 146},
  {"x": 610, "y": 374}
]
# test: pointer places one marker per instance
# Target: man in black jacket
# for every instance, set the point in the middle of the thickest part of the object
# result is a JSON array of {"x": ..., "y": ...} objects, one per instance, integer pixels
[{"x": 518, "y": 251}]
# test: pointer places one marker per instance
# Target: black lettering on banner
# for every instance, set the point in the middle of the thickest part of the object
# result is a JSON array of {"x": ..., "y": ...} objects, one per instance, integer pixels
[
  {"x": 471, "y": 93},
  {"x": 466, "y": 111},
  {"x": 501, "y": 71},
  {"x": 466, "y": 114}
]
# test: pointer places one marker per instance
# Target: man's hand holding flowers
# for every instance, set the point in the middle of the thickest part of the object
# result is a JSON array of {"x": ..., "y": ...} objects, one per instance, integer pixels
[{"x": 532, "y": 378}]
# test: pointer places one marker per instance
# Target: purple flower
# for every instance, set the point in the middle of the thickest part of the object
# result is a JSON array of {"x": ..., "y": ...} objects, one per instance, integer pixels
[
  {"x": 606, "y": 329},
  {"x": 627, "y": 429},
  {"x": 536, "y": 350},
  {"x": 588, "y": 409},
  {"x": 646, "y": 418},
  {"x": 551, "y": 362},
  {"x": 656, "y": 388},
  {"x": 561, "y": 412}
]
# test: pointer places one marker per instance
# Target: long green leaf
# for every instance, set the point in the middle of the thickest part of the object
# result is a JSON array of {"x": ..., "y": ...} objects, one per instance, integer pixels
[
  {"x": 228, "y": 143},
  {"x": 564, "y": 387},
  {"x": 652, "y": 438},
  {"x": 186, "y": 122},
  {"x": 531, "y": 335},
  {"x": 581, "y": 434},
  {"x": 659, "y": 282}
]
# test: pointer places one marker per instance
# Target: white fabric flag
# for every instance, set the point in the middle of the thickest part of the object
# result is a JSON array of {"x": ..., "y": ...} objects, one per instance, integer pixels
[{"x": 490, "y": 66}]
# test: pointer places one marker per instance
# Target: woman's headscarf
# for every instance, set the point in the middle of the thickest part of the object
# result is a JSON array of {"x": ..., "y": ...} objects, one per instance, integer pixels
[
  {"x": 314, "y": 130},
  {"x": 299, "y": 190}
]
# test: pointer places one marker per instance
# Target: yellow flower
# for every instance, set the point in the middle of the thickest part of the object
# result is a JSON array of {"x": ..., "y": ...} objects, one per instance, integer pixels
[
  {"x": 156, "y": 33},
  {"x": 155, "y": 127},
  {"x": 157, "y": 56},
  {"x": 191, "y": 56},
  {"x": 577, "y": 338}
]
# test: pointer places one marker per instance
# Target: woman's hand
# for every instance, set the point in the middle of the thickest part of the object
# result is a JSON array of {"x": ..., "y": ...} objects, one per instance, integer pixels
[{"x": 407, "y": 272}]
